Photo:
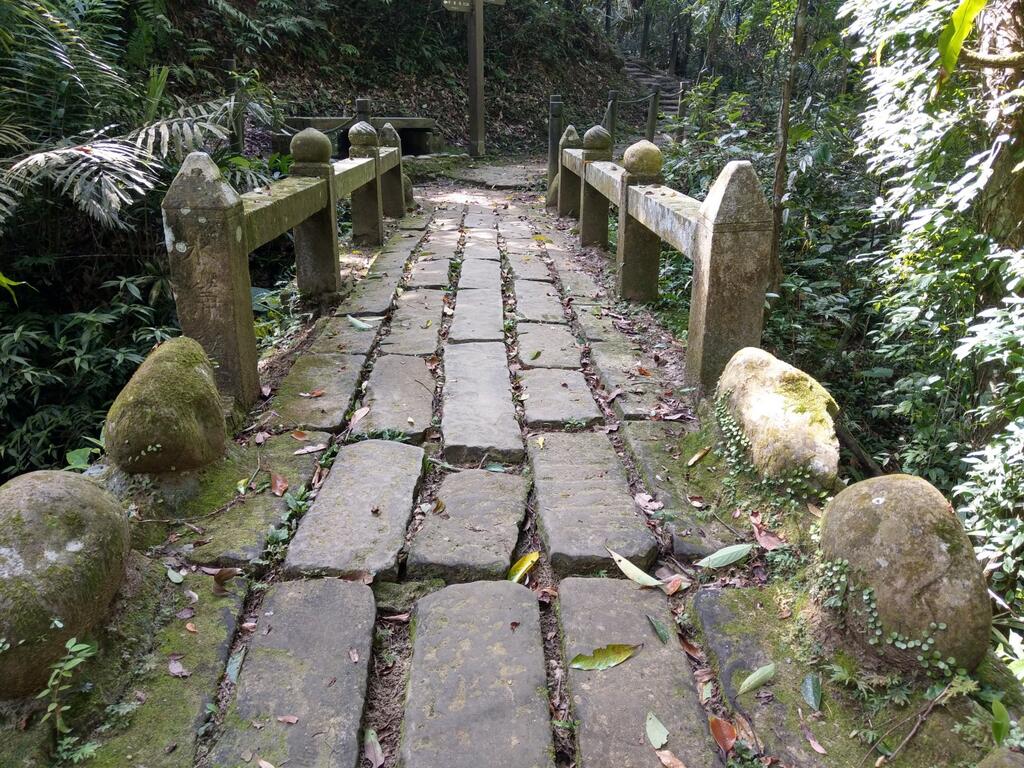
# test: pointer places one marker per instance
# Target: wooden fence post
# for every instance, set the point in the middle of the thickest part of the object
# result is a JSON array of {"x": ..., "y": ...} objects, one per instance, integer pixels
[
  {"x": 367, "y": 203},
  {"x": 568, "y": 182},
  {"x": 597, "y": 145},
  {"x": 732, "y": 247},
  {"x": 554, "y": 136},
  {"x": 316, "y": 239},
  {"x": 652, "y": 114},
  {"x": 204, "y": 229},
  {"x": 391, "y": 192},
  {"x": 638, "y": 250}
]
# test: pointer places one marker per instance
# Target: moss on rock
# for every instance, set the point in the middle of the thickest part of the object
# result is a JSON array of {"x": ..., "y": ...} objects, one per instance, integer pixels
[
  {"x": 908, "y": 553},
  {"x": 169, "y": 417},
  {"x": 63, "y": 543},
  {"x": 786, "y": 416}
]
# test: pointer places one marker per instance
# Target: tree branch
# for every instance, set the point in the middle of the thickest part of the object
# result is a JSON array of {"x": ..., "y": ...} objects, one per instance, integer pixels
[{"x": 1011, "y": 60}]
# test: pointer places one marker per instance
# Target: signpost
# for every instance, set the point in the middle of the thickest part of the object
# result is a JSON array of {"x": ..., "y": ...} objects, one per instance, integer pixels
[{"x": 475, "y": 36}]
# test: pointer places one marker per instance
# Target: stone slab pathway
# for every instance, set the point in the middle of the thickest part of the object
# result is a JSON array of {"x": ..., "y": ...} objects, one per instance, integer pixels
[
  {"x": 472, "y": 537},
  {"x": 357, "y": 523},
  {"x": 308, "y": 660},
  {"x": 482, "y": 441},
  {"x": 477, "y": 692},
  {"x": 584, "y": 505}
]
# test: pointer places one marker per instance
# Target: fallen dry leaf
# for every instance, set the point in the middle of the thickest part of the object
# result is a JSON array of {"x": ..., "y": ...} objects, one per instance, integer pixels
[
  {"x": 264, "y": 764},
  {"x": 222, "y": 577},
  {"x": 176, "y": 669},
  {"x": 311, "y": 449},
  {"x": 698, "y": 456},
  {"x": 815, "y": 745},
  {"x": 299, "y": 435},
  {"x": 191, "y": 627},
  {"x": 691, "y": 649},
  {"x": 265, "y": 390},
  {"x": 288, "y": 719},
  {"x": 668, "y": 759},
  {"x": 675, "y": 583},
  {"x": 764, "y": 537},
  {"x": 358, "y": 416},
  {"x": 186, "y": 613},
  {"x": 354, "y": 655},
  {"x": 313, "y": 393},
  {"x": 260, "y": 438},
  {"x": 400, "y": 618},
  {"x": 724, "y": 733},
  {"x": 278, "y": 484},
  {"x": 647, "y": 502}
]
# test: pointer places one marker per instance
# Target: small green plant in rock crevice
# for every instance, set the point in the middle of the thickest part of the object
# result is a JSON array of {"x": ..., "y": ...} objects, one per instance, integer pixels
[
  {"x": 278, "y": 536},
  {"x": 68, "y": 750}
]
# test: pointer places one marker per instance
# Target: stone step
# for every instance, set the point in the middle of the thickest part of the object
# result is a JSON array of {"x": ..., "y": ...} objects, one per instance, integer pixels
[
  {"x": 546, "y": 345},
  {"x": 479, "y": 221},
  {"x": 575, "y": 530},
  {"x": 308, "y": 659},
  {"x": 339, "y": 336},
  {"x": 317, "y": 392},
  {"x": 583, "y": 289},
  {"x": 538, "y": 302},
  {"x": 620, "y": 367},
  {"x": 358, "y": 521},
  {"x": 477, "y": 692},
  {"x": 480, "y": 273},
  {"x": 557, "y": 398},
  {"x": 431, "y": 272},
  {"x": 612, "y": 705},
  {"x": 372, "y": 295},
  {"x": 479, "y": 315},
  {"x": 479, "y": 418},
  {"x": 475, "y": 533},
  {"x": 415, "y": 323},
  {"x": 529, "y": 266},
  {"x": 400, "y": 396}
]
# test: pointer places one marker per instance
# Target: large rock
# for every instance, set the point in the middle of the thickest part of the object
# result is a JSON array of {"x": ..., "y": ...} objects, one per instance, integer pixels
[
  {"x": 169, "y": 417},
  {"x": 900, "y": 538},
  {"x": 63, "y": 543},
  {"x": 1003, "y": 758},
  {"x": 784, "y": 414}
]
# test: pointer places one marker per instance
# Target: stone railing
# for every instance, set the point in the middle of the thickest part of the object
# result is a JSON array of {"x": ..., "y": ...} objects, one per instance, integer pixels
[
  {"x": 728, "y": 238},
  {"x": 210, "y": 230}
]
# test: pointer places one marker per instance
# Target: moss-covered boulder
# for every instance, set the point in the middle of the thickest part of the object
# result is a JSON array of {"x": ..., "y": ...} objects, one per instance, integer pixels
[
  {"x": 169, "y": 417},
  {"x": 914, "y": 588},
  {"x": 63, "y": 543},
  {"x": 784, "y": 415},
  {"x": 1003, "y": 758}
]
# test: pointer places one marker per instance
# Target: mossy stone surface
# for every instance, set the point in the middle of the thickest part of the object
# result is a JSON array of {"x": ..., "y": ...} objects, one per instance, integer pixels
[
  {"x": 169, "y": 417},
  {"x": 1003, "y": 758},
  {"x": 903, "y": 540},
  {"x": 643, "y": 159},
  {"x": 742, "y": 630},
  {"x": 63, "y": 543},
  {"x": 163, "y": 730},
  {"x": 401, "y": 597},
  {"x": 786, "y": 416}
]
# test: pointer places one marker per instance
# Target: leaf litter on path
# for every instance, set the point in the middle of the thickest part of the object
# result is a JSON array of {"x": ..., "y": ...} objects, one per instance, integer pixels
[
  {"x": 604, "y": 658},
  {"x": 633, "y": 572}
]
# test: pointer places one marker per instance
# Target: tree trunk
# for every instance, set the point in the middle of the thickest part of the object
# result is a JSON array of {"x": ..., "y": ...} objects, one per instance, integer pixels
[
  {"x": 645, "y": 33},
  {"x": 684, "y": 48},
  {"x": 711, "y": 52},
  {"x": 782, "y": 143}
]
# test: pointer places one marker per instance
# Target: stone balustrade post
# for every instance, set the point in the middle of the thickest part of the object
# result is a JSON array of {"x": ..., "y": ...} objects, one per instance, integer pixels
[
  {"x": 204, "y": 229},
  {"x": 316, "y": 239},
  {"x": 732, "y": 248},
  {"x": 568, "y": 182},
  {"x": 367, "y": 203},
  {"x": 597, "y": 145},
  {"x": 554, "y": 137},
  {"x": 638, "y": 250},
  {"x": 391, "y": 181}
]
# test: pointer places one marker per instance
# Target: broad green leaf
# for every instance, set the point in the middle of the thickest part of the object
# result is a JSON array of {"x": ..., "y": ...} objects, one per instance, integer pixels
[
  {"x": 632, "y": 572},
  {"x": 371, "y": 748},
  {"x": 235, "y": 665},
  {"x": 604, "y": 658},
  {"x": 726, "y": 556},
  {"x": 811, "y": 690},
  {"x": 174, "y": 577},
  {"x": 523, "y": 566},
  {"x": 659, "y": 629},
  {"x": 657, "y": 733},
  {"x": 757, "y": 678},
  {"x": 1000, "y": 722},
  {"x": 951, "y": 41},
  {"x": 358, "y": 324}
]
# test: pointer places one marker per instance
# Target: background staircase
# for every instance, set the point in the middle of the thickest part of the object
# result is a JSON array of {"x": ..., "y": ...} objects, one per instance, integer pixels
[{"x": 649, "y": 78}]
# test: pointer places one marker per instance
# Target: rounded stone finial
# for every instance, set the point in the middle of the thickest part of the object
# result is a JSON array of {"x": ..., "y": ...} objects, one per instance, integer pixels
[
  {"x": 597, "y": 138},
  {"x": 389, "y": 136},
  {"x": 362, "y": 134},
  {"x": 643, "y": 159},
  {"x": 311, "y": 146}
]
